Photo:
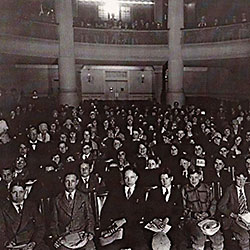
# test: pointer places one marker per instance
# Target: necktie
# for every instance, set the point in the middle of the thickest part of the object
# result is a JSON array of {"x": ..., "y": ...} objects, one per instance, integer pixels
[
  {"x": 129, "y": 193},
  {"x": 242, "y": 203},
  {"x": 85, "y": 181},
  {"x": 70, "y": 198},
  {"x": 166, "y": 194},
  {"x": 19, "y": 208}
]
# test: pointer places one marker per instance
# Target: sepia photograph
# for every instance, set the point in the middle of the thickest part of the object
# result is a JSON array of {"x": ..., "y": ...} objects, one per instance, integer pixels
[{"x": 124, "y": 124}]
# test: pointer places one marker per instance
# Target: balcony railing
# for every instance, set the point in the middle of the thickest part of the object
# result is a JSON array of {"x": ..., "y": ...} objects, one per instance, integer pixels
[
  {"x": 217, "y": 34},
  {"x": 29, "y": 28},
  {"x": 49, "y": 31},
  {"x": 116, "y": 36}
]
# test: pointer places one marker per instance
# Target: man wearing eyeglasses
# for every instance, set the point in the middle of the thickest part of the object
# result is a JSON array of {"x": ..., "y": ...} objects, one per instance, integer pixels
[{"x": 234, "y": 203}]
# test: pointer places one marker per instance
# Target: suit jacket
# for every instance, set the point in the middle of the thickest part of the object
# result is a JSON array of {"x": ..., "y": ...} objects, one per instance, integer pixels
[
  {"x": 117, "y": 206},
  {"x": 22, "y": 228},
  {"x": 76, "y": 217},
  {"x": 3, "y": 190},
  {"x": 229, "y": 203},
  {"x": 93, "y": 185},
  {"x": 157, "y": 207}
]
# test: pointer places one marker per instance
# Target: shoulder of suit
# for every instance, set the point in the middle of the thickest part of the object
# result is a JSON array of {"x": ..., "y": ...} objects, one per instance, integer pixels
[
  {"x": 59, "y": 196},
  {"x": 247, "y": 186},
  {"x": 81, "y": 195},
  {"x": 29, "y": 204},
  {"x": 4, "y": 204}
]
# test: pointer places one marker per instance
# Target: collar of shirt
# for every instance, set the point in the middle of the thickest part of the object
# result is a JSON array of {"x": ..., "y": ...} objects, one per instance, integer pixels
[
  {"x": 85, "y": 179},
  {"x": 84, "y": 156},
  {"x": 132, "y": 189},
  {"x": 168, "y": 190},
  {"x": 16, "y": 205},
  {"x": 33, "y": 142},
  {"x": 17, "y": 171},
  {"x": 72, "y": 194}
]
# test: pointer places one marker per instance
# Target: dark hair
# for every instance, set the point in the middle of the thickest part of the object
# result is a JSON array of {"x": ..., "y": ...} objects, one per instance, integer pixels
[
  {"x": 19, "y": 183},
  {"x": 132, "y": 168},
  {"x": 88, "y": 162},
  {"x": 194, "y": 169},
  {"x": 167, "y": 171},
  {"x": 70, "y": 173},
  {"x": 7, "y": 168}
]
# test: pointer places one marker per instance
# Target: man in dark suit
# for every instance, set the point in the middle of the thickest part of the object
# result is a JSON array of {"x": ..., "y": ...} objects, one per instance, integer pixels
[
  {"x": 20, "y": 221},
  {"x": 7, "y": 178},
  {"x": 72, "y": 212},
  {"x": 234, "y": 202},
  {"x": 125, "y": 204},
  {"x": 89, "y": 181},
  {"x": 165, "y": 201}
]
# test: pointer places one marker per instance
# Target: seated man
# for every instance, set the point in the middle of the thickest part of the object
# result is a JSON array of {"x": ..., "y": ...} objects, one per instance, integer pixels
[
  {"x": 20, "y": 221},
  {"x": 72, "y": 212},
  {"x": 199, "y": 204},
  {"x": 165, "y": 201},
  {"x": 234, "y": 202},
  {"x": 89, "y": 181},
  {"x": 20, "y": 170},
  {"x": 125, "y": 205},
  {"x": 7, "y": 178}
]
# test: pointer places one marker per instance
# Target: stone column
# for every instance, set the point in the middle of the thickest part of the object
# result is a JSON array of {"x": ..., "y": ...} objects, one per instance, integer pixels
[
  {"x": 158, "y": 11},
  {"x": 66, "y": 61},
  {"x": 157, "y": 83},
  {"x": 175, "y": 63}
]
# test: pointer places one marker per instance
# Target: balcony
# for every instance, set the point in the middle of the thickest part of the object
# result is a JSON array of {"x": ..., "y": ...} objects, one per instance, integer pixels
[
  {"x": 119, "y": 36},
  {"x": 123, "y": 47},
  {"x": 217, "y": 34}
]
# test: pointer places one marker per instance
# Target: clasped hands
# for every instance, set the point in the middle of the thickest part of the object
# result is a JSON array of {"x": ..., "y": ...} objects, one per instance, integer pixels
[{"x": 201, "y": 216}]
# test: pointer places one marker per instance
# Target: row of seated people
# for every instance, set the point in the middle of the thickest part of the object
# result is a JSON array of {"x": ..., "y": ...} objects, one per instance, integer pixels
[
  {"x": 118, "y": 24},
  {"x": 217, "y": 33},
  {"x": 178, "y": 214},
  {"x": 217, "y": 21},
  {"x": 115, "y": 139}
]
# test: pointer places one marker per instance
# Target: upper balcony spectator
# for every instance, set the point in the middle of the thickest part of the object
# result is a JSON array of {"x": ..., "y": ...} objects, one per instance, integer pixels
[
  {"x": 243, "y": 17},
  {"x": 203, "y": 22}
]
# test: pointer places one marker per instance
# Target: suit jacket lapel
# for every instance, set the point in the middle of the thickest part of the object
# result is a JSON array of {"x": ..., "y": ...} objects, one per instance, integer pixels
[
  {"x": 24, "y": 217},
  {"x": 64, "y": 204},
  {"x": 77, "y": 203},
  {"x": 15, "y": 218},
  {"x": 247, "y": 197},
  {"x": 235, "y": 197}
]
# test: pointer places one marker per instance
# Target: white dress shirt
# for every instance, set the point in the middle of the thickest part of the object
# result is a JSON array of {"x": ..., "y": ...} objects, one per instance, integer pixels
[
  {"x": 132, "y": 189},
  {"x": 16, "y": 206},
  {"x": 72, "y": 194},
  {"x": 168, "y": 190},
  {"x": 86, "y": 181}
]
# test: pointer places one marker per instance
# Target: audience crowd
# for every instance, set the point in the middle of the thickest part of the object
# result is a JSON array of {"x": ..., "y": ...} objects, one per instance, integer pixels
[{"x": 136, "y": 161}]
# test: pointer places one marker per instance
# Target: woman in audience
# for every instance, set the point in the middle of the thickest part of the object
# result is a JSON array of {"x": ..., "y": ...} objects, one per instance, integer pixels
[{"x": 147, "y": 136}]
